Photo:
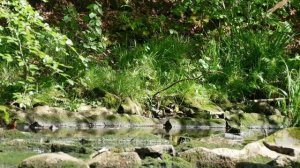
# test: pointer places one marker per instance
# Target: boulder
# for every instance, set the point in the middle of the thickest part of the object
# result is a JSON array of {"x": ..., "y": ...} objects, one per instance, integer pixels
[
  {"x": 244, "y": 121},
  {"x": 130, "y": 107},
  {"x": 53, "y": 160},
  {"x": 47, "y": 116},
  {"x": 155, "y": 151},
  {"x": 84, "y": 108},
  {"x": 202, "y": 157},
  {"x": 111, "y": 160},
  {"x": 199, "y": 123}
]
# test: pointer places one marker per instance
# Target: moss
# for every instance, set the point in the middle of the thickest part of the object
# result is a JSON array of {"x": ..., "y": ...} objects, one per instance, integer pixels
[
  {"x": 4, "y": 115},
  {"x": 62, "y": 164},
  {"x": 258, "y": 159},
  {"x": 207, "y": 144},
  {"x": 111, "y": 101},
  {"x": 14, "y": 158},
  {"x": 255, "y": 119},
  {"x": 185, "y": 121},
  {"x": 14, "y": 134},
  {"x": 294, "y": 132},
  {"x": 202, "y": 158},
  {"x": 167, "y": 161}
]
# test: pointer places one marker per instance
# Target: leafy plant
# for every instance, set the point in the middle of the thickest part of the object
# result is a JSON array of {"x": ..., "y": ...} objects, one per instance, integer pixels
[
  {"x": 33, "y": 50},
  {"x": 293, "y": 107},
  {"x": 4, "y": 115},
  {"x": 93, "y": 38}
]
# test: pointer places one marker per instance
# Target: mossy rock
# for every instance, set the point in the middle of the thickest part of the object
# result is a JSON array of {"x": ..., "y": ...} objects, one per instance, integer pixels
[
  {"x": 204, "y": 108},
  {"x": 111, "y": 101},
  {"x": 128, "y": 120},
  {"x": 186, "y": 122},
  {"x": 166, "y": 161},
  {"x": 203, "y": 158},
  {"x": 47, "y": 116},
  {"x": 52, "y": 160},
  {"x": 120, "y": 160},
  {"x": 131, "y": 107},
  {"x": 67, "y": 148},
  {"x": 287, "y": 138},
  {"x": 255, "y": 121}
]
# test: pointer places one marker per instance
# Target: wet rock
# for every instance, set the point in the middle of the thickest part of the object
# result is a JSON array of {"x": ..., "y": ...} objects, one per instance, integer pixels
[
  {"x": 197, "y": 123},
  {"x": 202, "y": 157},
  {"x": 280, "y": 149},
  {"x": 155, "y": 151},
  {"x": 112, "y": 160},
  {"x": 84, "y": 108},
  {"x": 130, "y": 107},
  {"x": 35, "y": 126},
  {"x": 286, "y": 141},
  {"x": 263, "y": 108},
  {"x": 255, "y": 121},
  {"x": 53, "y": 160},
  {"x": 47, "y": 116},
  {"x": 283, "y": 161},
  {"x": 53, "y": 128}
]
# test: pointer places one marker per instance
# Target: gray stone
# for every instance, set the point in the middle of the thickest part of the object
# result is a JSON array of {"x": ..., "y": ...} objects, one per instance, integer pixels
[
  {"x": 203, "y": 157},
  {"x": 115, "y": 160},
  {"x": 53, "y": 160}
]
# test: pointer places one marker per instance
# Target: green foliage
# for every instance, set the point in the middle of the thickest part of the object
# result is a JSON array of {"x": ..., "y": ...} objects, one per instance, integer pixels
[
  {"x": 143, "y": 70},
  {"x": 248, "y": 56},
  {"x": 31, "y": 51},
  {"x": 86, "y": 31},
  {"x": 4, "y": 115},
  {"x": 293, "y": 108}
]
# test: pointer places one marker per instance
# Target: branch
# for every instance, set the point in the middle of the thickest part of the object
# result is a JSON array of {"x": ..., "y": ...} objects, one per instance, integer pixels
[
  {"x": 278, "y": 6},
  {"x": 182, "y": 80}
]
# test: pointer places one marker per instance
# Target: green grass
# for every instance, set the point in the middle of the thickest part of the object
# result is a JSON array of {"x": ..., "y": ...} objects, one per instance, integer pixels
[
  {"x": 14, "y": 158},
  {"x": 293, "y": 108}
]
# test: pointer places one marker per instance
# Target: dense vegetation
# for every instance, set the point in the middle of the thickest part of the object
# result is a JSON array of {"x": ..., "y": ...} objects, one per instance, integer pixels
[{"x": 62, "y": 52}]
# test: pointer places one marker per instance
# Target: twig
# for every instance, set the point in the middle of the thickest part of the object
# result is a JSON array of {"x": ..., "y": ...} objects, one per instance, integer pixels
[
  {"x": 182, "y": 80},
  {"x": 278, "y": 6}
]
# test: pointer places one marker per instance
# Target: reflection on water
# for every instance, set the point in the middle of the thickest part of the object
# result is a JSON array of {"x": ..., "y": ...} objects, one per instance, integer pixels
[{"x": 137, "y": 136}]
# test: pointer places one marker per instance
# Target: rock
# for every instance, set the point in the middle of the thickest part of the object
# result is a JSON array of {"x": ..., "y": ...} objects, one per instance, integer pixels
[
  {"x": 102, "y": 150},
  {"x": 286, "y": 141},
  {"x": 111, "y": 101},
  {"x": 53, "y": 160},
  {"x": 84, "y": 108},
  {"x": 197, "y": 123},
  {"x": 203, "y": 157},
  {"x": 282, "y": 161},
  {"x": 35, "y": 126},
  {"x": 155, "y": 151},
  {"x": 280, "y": 149},
  {"x": 130, "y": 107},
  {"x": 263, "y": 108},
  {"x": 66, "y": 148},
  {"x": 46, "y": 116},
  {"x": 255, "y": 121},
  {"x": 115, "y": 160},
  {"x": 53, "y": 128}
]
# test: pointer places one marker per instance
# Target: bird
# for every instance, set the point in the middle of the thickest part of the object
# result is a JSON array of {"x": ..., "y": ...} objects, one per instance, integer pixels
[{"x": 12, "y": 124}]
